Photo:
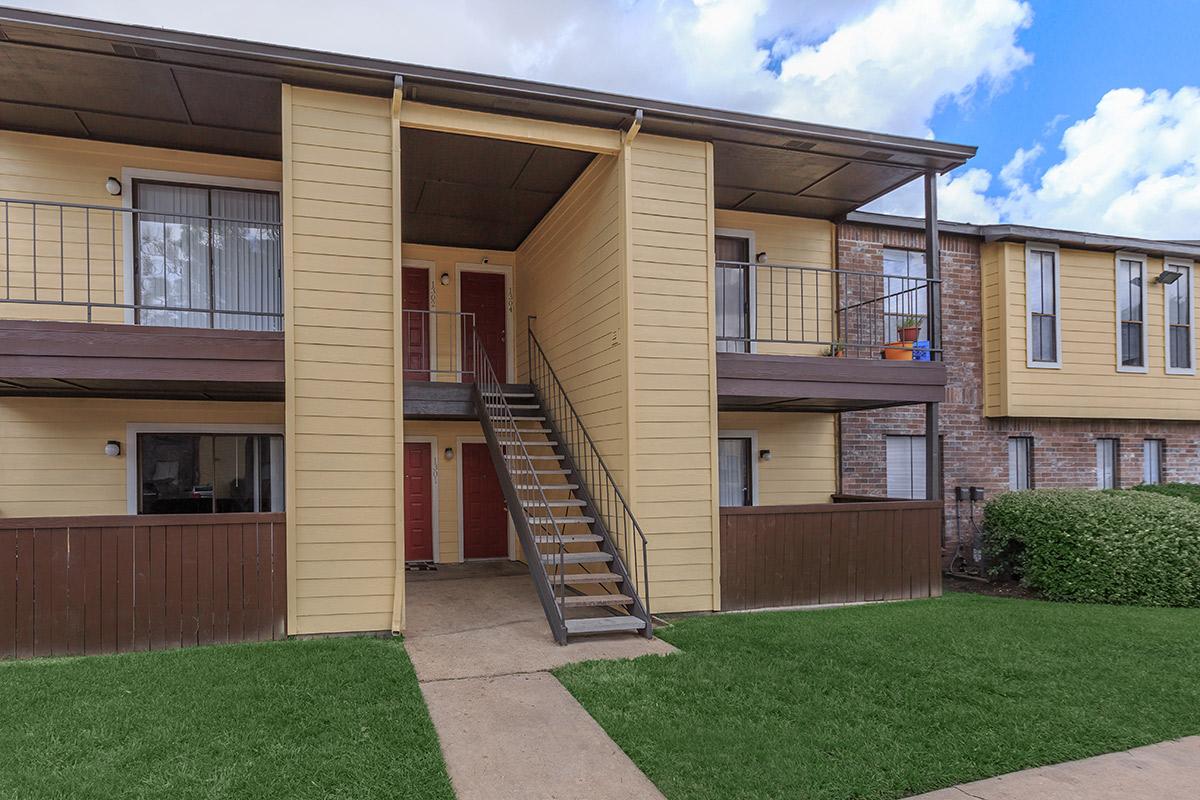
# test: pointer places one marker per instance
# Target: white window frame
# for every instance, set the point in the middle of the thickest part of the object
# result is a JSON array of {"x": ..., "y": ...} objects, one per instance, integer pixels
[
  {"x": 1014, "y": 451},
  {"x": 748, "y": 235},
  {"x": 1160, "y": 445},
  {"x": 131, "y": 174},
  {"x": 1101, "y": 442},
  {"x": 1043, "y": 247},
  {"x": 1189, "y": 269},
  {"x": 753, "y": 437},
  {"x": 1139, "y": 258},
  {"x": 133, "y": 486}
]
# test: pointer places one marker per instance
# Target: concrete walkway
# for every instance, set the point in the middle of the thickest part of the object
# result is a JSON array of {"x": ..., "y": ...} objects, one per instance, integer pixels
[
  {"x": 481, "y": 648},
  {"x": 1163, "y": 771}
]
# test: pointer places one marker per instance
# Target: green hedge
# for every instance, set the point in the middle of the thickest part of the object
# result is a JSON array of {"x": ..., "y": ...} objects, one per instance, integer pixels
[
  {"x": 1124, "y": 547},
  {"x": 1188, "y": 491}
]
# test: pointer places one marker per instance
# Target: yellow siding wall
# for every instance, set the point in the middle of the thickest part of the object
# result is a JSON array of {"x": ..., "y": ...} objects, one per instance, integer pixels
[
  {"x": 792, "y": 305},
  {"x": 996, "y": 345},
  {"x": 803, "y": 465},
  {"x": 36, "y": 167},
  {"x": 674, "y": 416},
  {"x": 1088, "y": 385},
  {"x": 445, "y": 473},
  {"x": 570, "y": 275},
  {"x": 342, "y": 419},
  {"x": 448, "y": 348},
  {"x": 52, "y": 460}
]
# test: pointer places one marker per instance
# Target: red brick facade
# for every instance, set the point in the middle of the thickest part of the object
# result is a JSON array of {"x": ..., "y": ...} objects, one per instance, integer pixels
[{"x": 975, "y": 448}]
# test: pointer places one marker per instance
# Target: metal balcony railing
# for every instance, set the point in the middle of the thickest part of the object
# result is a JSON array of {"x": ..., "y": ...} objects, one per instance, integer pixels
[
  {"x": 438, "y": 345},
  {"x": 79, "y": 262},
  {"x": 800, "y": 310}
]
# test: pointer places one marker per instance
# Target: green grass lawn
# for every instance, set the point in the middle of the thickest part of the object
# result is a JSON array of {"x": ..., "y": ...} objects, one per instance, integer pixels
[
  {"x": 335, "y": 718},
  {"x": 890, "y": 700}
]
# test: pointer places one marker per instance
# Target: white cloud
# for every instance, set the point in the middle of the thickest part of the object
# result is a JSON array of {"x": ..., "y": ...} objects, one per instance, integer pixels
[
  {"x": 1131, "y": 168},
  {"x": 875, "y": 64}
]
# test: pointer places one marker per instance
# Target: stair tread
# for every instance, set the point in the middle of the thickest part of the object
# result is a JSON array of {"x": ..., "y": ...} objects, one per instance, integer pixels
[
  {"x": 527, "y": 443},
  {"x": 605, "y": 624},
  {"x": 560, "y": 520},
  {"x": 553, "y": 503},
  {"x": 549, "y": 487},
  {"x": 539, "y": 472},
  {"x": 590, "y": 577},
  {"x": 577, "y": 558},
  {"x": 570, "y": 538},
  {"x": 520, "y": 406},
  {"x": 586, "y": 600},
  {"x": 536, "y": 458}
]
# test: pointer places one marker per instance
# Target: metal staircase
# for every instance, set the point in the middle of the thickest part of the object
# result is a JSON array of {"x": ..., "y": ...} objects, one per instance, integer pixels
[{"x": 570, "y": 517}]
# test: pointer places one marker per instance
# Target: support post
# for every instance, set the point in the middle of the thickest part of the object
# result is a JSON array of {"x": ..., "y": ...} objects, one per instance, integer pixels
[
  {"x": 933, "y": 454},
  {"x": 933, "y": 266}
]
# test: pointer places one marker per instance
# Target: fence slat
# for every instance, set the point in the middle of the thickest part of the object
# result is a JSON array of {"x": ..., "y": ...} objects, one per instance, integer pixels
[
  {"x": 829, "y": 553},
  {"x": 108, "y": 591},
  {"x": 8, "y": 594},
  {"x": 126, "y": 582},
  {"x": 26, "y": 614}
]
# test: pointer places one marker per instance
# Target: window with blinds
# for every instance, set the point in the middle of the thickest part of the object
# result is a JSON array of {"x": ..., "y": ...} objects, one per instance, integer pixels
[
  {"x": 1108, "y": 463},
  {"x": 1153, "y": 451},
  {"x": 207, "y": 257},
  {"x": 906, "y": 467},
  {"x": 1020, "y": 463}
]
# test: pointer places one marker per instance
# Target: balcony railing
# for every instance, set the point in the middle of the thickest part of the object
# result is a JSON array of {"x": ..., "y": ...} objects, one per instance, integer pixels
[
  {"x": 78, "y": 262},
  {"x": 801, "y": 310},
  {"x": 438, "y": 345}
]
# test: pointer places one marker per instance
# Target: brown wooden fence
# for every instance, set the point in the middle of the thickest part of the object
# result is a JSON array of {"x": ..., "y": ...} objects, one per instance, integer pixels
[
  {"x": 829, "y": 553},
  {"x": 76, "y": 585}
]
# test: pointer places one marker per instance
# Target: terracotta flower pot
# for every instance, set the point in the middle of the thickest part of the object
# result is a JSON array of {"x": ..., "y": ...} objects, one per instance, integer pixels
[
  {"x": 897, "y": 351},
  {"x": 909, "y": 334}
]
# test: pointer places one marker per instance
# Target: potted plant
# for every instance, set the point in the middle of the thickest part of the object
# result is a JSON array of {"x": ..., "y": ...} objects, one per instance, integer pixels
[
  {"x": 909, "y": 328},
  {"x": 836, "y": 349}
]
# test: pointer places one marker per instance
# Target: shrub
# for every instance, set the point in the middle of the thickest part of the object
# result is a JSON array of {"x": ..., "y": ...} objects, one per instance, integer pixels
[
  {"x": 1124, "y": 547},
  {"x": 1188, "y": 491}
]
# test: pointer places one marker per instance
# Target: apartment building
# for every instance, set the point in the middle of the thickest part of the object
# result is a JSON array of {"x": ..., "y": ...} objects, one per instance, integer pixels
[
  {"x": 1070, "y": 357},
  {"x": 277, "y": 326}
]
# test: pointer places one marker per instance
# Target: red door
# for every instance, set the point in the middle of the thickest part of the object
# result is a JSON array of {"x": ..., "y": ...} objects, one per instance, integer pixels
[
  {"x": 485, "y": 518},
  {"x": 482, "y": 294},
  {"x": 418, "y": 501},
  {"x": 414, "y": 296}
]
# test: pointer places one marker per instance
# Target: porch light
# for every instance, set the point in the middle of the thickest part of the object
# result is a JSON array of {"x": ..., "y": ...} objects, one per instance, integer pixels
[
  {"x": 764, "y": 455},
  {"x": 1167, "y": 276},
  {"x": 112, "y": 449},
  {"x": 761, "y": 258},
  {"x": 112, "y": 186},
  {"x": 448, "y": 453},
  {"x": 445, "y": 279}
]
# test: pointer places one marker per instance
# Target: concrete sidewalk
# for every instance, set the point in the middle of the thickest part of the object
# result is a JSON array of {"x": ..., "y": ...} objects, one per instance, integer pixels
[
  {"x": 481, "y": 649},
  {"x": 1163, "y": 771}
]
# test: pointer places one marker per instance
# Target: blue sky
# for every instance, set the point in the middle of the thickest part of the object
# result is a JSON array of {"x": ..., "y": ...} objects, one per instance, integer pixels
[
  {"x": 1086, "y": 112},
  {"x": 1081, "y": 50}
]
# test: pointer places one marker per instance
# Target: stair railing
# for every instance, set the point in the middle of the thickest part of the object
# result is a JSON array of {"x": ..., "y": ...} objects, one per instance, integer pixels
[
  {"x": 606, "y": 496},
  {"x": 530, "y": 492}
]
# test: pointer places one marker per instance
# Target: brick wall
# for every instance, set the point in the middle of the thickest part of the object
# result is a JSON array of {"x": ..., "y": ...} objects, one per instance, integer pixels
[{"x": 974, "y": 448}]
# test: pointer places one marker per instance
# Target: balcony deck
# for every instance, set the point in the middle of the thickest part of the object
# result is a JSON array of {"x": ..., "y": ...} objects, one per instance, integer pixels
[
  {"x": 80, "y": 359},
  {"x": 756, "y": 382}
]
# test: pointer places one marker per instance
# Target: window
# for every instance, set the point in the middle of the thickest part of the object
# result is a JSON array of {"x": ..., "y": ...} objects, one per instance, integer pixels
[
  {"x": 1153, "y": 451},
  {"x": 735, "y": 464},
  {"x": 1177, "y": 299},
  {"x": 1108, "y": 463},
  {"x": 206, "y": 473},
  {"x": 207, "y": 257},
  {"x": 906, "y": 467},
  {"x": 1131, "y": 313},
  {"x": 1041, "y": 283},
  {"x": 1020, "y": 463},
  {"x": 905, "y": 292},
  {"x": 735, "y": 291}
]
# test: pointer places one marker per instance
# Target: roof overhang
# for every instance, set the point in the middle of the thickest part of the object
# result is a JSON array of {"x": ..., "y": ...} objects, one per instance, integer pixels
[{"x": 91, "y": 79}]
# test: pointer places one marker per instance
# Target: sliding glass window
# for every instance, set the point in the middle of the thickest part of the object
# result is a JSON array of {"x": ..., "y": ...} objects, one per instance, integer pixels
[
  {"x": 207, "y": 473},
  {"x": 207, "y": 257}
]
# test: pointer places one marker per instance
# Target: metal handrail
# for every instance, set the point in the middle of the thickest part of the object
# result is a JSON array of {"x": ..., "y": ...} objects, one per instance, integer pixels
[
  {"x": 608, "y": 496},
  {"x": 93, "y": 260},
  {"x": 487, "y": 384},
  {"x": 847, "y": 310},
  {"x": 430, "y": 362}
]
